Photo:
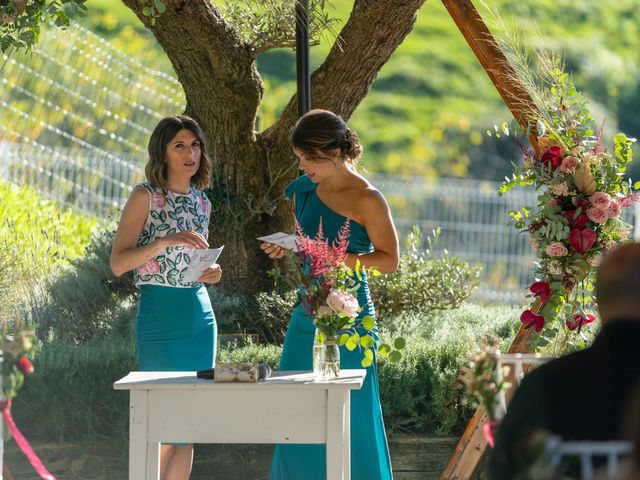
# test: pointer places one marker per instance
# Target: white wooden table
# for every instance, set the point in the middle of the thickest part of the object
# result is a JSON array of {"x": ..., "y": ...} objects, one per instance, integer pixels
[{"x": 288, "y": 407}]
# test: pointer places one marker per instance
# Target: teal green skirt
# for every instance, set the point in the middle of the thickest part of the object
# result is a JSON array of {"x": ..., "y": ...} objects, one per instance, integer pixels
[{"x": 175, "y": 329}]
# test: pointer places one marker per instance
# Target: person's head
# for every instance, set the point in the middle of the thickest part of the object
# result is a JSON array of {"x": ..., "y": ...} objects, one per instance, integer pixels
[
  {"x": 618, "y": 283},
  {"x": 321, "y": 137},
  {"x": 177, "y": 145}
]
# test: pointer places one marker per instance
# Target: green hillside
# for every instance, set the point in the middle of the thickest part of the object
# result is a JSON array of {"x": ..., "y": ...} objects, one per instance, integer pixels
[{"x": 429, "y": 109}]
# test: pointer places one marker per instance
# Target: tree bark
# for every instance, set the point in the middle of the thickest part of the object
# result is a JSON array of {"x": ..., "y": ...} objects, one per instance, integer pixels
[{"x": 223, "y": 90}]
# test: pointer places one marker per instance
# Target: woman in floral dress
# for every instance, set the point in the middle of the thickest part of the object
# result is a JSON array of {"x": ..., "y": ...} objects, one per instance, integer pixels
[{"x": 164, "y": 219}]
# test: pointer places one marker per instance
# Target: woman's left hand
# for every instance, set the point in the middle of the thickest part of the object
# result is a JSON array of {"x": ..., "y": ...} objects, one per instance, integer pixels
[{"x": 212, "y": 274}]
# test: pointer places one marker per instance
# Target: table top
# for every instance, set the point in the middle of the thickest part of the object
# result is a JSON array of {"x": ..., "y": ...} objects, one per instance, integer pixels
[{"x": 348, "y": 379}]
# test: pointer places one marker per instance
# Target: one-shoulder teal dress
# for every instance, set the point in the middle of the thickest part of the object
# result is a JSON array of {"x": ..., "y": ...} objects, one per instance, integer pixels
[{"x": 369, "y": 450}]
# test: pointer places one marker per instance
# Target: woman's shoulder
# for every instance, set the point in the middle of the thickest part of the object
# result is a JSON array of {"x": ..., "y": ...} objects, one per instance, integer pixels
[
  {"x": 369, "y": 197},
  {"x": 301, "y": 184},
  {"x": 201, "y": 194}
]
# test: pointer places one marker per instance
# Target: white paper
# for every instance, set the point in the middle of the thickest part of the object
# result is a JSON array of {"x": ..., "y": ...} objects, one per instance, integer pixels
[
  {"x": 284, "y": 240},
  {"x": 201, "y": 259}
]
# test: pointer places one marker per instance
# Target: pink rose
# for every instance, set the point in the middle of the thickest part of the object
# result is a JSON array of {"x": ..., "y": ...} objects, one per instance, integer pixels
[
  {"x": 582, "y": 240},
  {"x": 553, "y": 202},
  {"x": 614, "y": 209},
  {"x": 568, "y": 164},
  {"x": 150, "y": 268},
  {"x": 529, "y": 318},
  {"x": 597, "y": 214},
  {"x": 158, "y": 200},
  {"x": 600, "y": 199},
  {"x": 342, "y": 302},
  {"x": 556, "y": 249}
]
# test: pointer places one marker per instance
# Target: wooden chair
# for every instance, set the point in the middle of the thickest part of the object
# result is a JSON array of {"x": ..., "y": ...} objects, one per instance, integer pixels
[{"x": 518, "y": 364}]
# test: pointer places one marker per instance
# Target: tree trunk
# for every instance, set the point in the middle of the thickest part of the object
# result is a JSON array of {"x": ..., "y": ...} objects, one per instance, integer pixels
[{"x": 223, "y": 90}]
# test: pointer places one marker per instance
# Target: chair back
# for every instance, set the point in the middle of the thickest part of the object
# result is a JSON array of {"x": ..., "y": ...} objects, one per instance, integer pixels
[{"x": 586, "y": 452}]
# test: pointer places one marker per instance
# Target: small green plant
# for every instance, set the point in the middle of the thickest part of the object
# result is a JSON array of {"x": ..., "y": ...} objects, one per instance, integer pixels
[{"x": 423, "y": 283}]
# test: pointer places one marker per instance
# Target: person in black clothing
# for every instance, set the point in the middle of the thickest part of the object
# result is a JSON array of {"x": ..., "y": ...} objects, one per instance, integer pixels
[{"x": 584, "y": 395}]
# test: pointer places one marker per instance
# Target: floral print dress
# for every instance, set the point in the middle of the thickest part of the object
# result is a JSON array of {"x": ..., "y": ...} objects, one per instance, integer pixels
[{"x": 169, "y": 213}]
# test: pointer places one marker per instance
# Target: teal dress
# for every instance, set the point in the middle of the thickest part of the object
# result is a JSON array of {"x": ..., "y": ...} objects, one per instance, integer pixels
[{"x": 369, "y": 450}]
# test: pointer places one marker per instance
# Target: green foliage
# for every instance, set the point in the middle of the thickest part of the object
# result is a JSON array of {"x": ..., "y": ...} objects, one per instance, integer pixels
[
  {"x": 422, "y": 393},
  {"x": 21, "y": 20},
  {"x": 268, "y": 24},
  {"x": 37, "y": 238},
  {"x": 70, "y": 396},
  {"x": 86, "y": 299},
  {"x": 423, "y": 283}
]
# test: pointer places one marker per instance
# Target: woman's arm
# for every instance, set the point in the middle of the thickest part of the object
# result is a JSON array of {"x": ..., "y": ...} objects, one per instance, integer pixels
[
  {"x": 125, "y": 254},
  {"x": 376, "y": 218}
]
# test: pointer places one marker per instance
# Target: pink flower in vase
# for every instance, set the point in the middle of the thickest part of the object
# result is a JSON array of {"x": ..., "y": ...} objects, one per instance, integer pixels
[
  {"x": 343, "y": 302},
  {"x": 158, "y": 200},
  {"x": 151, "y": 267}
]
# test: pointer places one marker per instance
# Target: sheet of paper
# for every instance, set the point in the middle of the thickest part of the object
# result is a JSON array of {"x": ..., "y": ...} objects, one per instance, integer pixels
[
  {"x": 201, "y": 259},
  {"x": 284, "y": 240}
]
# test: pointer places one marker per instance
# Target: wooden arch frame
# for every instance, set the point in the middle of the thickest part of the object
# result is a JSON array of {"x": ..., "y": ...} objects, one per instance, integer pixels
[{"x": 472, "y": 445}]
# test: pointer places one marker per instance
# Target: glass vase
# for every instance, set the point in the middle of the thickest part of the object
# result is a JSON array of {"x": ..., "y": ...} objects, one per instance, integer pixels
[{"x": 326, "y": 357}]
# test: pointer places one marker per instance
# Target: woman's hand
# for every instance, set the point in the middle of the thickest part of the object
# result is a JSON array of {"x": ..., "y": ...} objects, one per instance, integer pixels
[
  {"x": 273, "y": 250},
  {"x": 186, "y": 238},
  {"x": 212, "y": 274}
]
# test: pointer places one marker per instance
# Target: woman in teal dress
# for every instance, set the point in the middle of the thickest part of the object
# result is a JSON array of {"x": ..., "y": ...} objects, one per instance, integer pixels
[
  {"x": 164, "y": 219},
  {"x": 332, "y": 191}
]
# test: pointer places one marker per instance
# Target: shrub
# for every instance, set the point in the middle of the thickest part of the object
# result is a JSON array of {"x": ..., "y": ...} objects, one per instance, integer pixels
[
  {"x": 423, "y": 284},
  {"x": 86, "y": 299},
  {"x": 70, "y": 396},
  {"x": 420, "y": 393},
  {"x": 37, "y": 237}
]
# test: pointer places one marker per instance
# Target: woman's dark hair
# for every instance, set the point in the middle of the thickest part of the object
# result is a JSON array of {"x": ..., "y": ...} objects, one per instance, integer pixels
[
  {"x": 165, "y": 131},
  {"x": 320, "y": 131}
]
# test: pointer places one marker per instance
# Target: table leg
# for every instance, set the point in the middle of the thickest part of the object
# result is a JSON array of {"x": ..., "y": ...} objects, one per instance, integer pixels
[
  {"x": 141, "y": 453},
  {"x": 347, "y": 435},
  {"x": 337, "y": 444}
]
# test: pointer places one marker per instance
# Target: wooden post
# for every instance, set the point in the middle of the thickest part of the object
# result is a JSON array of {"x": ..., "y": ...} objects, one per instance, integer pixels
[{"x": 472, "y": 445}]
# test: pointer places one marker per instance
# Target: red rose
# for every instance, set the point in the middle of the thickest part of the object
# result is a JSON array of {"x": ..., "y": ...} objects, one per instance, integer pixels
[
  {"x": 541, "y": 290},
  {"x": 553, "y": 157},
  {"x": 582, "y": 240},
  {"x": 575, "y": 222},
  {"x": 578, "y": 320},
  {"x": 529, "y": 318},
  {"x": 25, "y": 366}
]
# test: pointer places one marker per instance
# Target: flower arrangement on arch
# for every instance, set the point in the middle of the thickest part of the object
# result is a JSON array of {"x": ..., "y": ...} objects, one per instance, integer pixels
[
  {"x": 578, "y": 214},
  {"x": 328, "y": 293}
]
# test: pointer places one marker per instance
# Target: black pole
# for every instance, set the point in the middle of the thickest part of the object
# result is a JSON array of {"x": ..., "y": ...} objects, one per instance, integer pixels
[{"x": 302, "y": 56}]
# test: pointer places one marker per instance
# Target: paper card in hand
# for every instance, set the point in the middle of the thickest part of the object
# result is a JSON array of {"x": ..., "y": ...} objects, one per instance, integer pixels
[
  {"x": 284, "y": 240},
  {"x": 201, "y": 259}
]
